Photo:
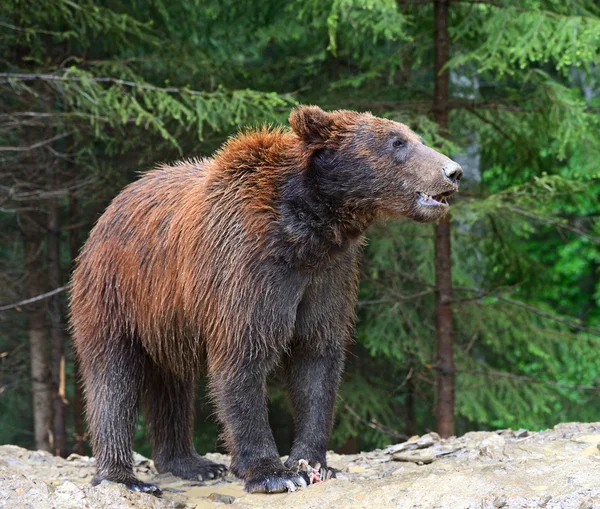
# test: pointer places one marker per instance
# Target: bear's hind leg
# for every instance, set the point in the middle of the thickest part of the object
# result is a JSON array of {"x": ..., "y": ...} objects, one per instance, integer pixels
[
  {"x": 168, "y": 407},
  {"x": 113, "y": 381}
]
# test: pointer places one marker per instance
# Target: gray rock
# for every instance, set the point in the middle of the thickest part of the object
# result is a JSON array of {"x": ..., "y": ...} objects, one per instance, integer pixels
[
  {"x": 552, "y": 469},
  {"x": 221, "y": 499}
]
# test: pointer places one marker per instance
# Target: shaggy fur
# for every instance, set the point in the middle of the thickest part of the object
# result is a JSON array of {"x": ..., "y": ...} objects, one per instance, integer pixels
[{"x": 238, "y": 264}]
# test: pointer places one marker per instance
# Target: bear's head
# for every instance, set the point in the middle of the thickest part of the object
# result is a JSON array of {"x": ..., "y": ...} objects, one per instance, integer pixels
[{"x": 375, "y": 163}]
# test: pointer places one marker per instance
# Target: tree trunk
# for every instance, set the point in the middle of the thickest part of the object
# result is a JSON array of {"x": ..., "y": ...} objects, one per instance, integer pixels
[
  {"x": 37, "y": 331},
  {"x": 77, "y": 406},
  {"x": 57, "y": 330},
  {"x": 443, "y": 266},
  {"x": 411, "y": 420},
  {"x": 348, "y": 447}
]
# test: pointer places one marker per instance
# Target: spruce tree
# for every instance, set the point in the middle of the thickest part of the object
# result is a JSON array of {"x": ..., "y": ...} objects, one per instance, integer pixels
[{"x": 95, "y": 92}]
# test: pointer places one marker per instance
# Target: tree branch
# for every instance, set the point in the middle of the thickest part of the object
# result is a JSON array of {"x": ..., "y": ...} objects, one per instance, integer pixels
[
  {"x": 455, "y": 104},
  {"x": 491, "y": 123},
  {"x": 500, "y": 5},
  {"x": 533, "y": 309},
  {"x": 114, "y": 81},
  {"x": 34, "y": 299},
  {"x": 553, "y": 222},
  {"x": 374, "y": 424},
  {"x": 35, "y": 146},
  {"x": 529, "y": 379},
  {"x": 397, "y": 298}
]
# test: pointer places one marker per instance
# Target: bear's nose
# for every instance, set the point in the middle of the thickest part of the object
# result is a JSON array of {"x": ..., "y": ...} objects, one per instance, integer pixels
[{"x": 453, "y": 172}]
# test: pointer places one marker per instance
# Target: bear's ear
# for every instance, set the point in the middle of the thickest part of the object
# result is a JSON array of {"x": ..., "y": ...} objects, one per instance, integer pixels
[{"x": 312, "y": 125}]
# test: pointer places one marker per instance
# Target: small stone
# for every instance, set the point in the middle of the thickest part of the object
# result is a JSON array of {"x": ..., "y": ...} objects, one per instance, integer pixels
[
  {"x": 414, "y": 443},
  {"x": 419, "y": 457},
  {"x": 543, "y": 501},
  {"x": 219, "y": 498},
  {"x": 521, "y": 433},
  {"x": 193, "y": 484},
  {"x": 500, "y": 501},
  {"x": 446, "y": 452},
  {"x": 141, "y": 461},
  {"x": 70, "y": 490},
  {"x": 356, "y": 469},
  {"x": 167, "y": 477},
  {"x": 173, "y": 490},
  {"x": 492, "y": 447}
]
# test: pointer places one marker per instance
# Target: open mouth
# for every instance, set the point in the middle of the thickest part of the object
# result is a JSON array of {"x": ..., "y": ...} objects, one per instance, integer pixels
[{"x": 438, "y": 200}]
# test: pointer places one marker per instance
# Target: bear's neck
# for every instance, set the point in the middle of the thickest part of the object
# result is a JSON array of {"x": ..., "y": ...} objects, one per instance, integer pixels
[{"x": 320, "y": 216}]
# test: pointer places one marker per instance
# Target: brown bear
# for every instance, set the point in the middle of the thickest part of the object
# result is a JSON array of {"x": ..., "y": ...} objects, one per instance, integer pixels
[{"x": 240, "y": 264}]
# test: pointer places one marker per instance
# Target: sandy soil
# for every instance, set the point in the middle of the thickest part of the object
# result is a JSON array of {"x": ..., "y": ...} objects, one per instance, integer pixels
[{"x": 557, "y": 468}]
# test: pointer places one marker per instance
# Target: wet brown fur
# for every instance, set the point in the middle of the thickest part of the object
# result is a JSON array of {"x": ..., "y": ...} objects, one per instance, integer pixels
[{"x": 206, "y": 264}]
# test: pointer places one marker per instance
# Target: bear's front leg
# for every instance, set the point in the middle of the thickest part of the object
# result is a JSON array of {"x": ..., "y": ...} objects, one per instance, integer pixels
[
  {"x": 312, "y": 377},
  {"x": 241, "y": 398}
]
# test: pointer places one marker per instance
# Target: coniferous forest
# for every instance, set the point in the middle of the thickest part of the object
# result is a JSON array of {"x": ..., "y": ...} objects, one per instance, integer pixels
[{"x": 489, "y": 319}]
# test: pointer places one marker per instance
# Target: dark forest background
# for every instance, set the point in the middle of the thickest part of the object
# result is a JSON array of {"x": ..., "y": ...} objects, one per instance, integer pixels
[{"x": 506, "y": 335}]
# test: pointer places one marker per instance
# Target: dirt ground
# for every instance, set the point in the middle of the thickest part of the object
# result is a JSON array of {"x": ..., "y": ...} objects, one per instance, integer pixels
[{"x": 557, "y": 468}]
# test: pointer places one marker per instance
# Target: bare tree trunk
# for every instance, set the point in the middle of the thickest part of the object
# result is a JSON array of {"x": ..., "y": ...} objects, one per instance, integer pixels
[
  {"x": 443, "y": 265},
  {"x": 348, "y": 447},
  {"x": 411, "y": 421},
  {"x": 37, "y": 331},
  {"x": 78, "y": 411},
  {"x": 56, "y": 330}
]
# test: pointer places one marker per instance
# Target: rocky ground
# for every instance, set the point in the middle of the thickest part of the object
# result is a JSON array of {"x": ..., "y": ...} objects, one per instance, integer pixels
[{"x": 557, "y": 468}]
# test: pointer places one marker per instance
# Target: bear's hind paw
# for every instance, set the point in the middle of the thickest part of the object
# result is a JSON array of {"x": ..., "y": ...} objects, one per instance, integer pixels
[
  {"x": 195, "y": 468},
  {"x": 132, "y": 484}
]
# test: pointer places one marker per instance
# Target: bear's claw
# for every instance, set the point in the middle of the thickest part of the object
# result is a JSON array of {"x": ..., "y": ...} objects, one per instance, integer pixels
[
  {"x": 143, "y": 487},
  {"x": 275, "y": 481}
]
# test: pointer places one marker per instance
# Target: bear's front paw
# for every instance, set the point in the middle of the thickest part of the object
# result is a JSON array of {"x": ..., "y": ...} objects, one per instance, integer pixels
[
  {"x": 327, "y": 473},
  {"x": 314, "y": 471},
  {"x": 274, "y": 480}
]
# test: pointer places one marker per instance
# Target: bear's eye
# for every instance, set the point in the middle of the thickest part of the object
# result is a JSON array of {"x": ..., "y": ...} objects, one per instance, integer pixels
[{"x": 398, "y": 143}]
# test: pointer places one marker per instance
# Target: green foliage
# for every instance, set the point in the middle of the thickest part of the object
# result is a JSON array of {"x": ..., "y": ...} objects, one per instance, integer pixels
[
  {"x": 514, "y": 37},
  {"x": 367, "y": 20},
  {"x": 121, "y": 86}
]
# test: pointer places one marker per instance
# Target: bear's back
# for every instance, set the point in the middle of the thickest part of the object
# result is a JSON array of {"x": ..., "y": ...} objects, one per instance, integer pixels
[
  {"x": 140, "y": 220},
  {"x": 185, "y": 248},
  {"x": 128, "y": 275}
]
